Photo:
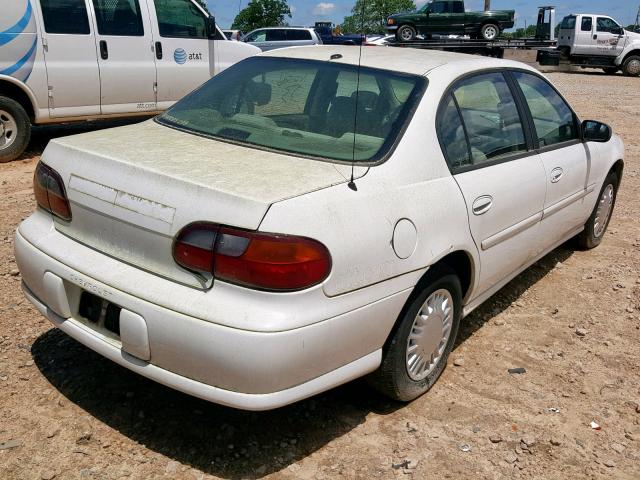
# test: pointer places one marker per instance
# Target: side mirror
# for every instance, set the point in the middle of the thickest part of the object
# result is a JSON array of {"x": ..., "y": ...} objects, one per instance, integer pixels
[{"x": 593, "y": 131}]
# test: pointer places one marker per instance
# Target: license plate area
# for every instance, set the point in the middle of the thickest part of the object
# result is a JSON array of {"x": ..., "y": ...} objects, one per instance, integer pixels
[{"x": 101, "y": 314}]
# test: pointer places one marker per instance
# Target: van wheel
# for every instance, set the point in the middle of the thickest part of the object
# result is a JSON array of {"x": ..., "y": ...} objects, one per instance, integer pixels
[
  {"x": 406, "y": 33},
  {"x": 417, "y": 350},
  {"x": 490, "y": 31},
  {"x": 598, "y": 222},
  {"x": 631, "y": 66},
  {"x": 15, "y": 129}
]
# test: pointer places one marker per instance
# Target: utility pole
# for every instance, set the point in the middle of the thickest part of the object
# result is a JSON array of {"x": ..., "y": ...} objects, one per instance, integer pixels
[
  {"x": 638, "y": 20},
  {"x": 487, "y": 5}
]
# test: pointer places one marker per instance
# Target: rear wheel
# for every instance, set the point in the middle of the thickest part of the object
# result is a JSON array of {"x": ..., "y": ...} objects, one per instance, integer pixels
[
  {"x": 406, "y": 33},
  {"x": 490, "y": 31},
  {"x": 15, "y": 129},
  {"x": 631, "y": 66},
  {"x": 417, "y": 350},
  {"x": 598, "y": 222}
]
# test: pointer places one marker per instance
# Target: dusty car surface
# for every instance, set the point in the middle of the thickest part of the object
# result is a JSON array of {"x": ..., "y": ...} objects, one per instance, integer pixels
[{"x": 309, "y": 217}]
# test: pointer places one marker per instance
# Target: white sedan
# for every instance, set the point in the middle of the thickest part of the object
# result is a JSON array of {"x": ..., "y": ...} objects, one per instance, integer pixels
[{"x": 309, "y": 217}]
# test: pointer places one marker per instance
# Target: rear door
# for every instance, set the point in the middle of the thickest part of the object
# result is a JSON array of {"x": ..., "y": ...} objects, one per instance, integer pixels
[
  {"x": 564, "y": 156},
  {"x": 70, "y": 57},
  {"x": 276, "y": 38},
  {"x": 184, "y": 53},
  {"x": 299, "y": 37},
  {"x": 503, "y": 181},
  {"x": 583, "y": 41},
  {"x": 127, "y": 67}
]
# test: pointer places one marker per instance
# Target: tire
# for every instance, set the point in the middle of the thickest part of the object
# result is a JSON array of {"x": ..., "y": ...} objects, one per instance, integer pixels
[
  {"x": 406, "y": 33},
  {"x": 393, "y": 377},
  {"x": 15, "y": 129},
  {"x": 610, "y": 70},
  {"x": 489, "y": 31},
  {"x": 631, "y": 66},
  {"x": 596, "y": 225}
]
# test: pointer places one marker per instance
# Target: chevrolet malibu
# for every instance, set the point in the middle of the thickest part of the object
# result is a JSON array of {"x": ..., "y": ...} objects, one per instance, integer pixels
[{"x": 309, "y": 217}]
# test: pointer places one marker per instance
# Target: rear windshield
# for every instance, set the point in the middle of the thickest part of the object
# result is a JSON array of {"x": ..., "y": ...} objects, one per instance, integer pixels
[
  {"x": 312, "y": 108},
  {"x": 568, "y": 23}
]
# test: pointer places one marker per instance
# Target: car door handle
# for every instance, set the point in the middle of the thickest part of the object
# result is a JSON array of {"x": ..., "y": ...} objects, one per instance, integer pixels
[
  {"x": 159, "y": 50},
  {"x": 482, "y": 205},
  {"x": 595, "y": 37},
  {"x": 556, "y": 175},
  {"x": 104, "y": 50}
]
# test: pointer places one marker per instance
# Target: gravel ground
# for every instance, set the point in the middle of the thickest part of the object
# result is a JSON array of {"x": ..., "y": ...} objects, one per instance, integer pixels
[{"x": 572, "y": 320}]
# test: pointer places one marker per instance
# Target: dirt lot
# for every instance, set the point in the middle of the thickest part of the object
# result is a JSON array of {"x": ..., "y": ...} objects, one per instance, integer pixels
[{"x": 572, "y": 320}]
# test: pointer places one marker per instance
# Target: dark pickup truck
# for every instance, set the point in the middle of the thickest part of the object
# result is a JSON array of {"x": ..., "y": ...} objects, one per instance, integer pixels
[
  {"x": 325, "y": 32},
  {"x": 440, "y": 17}
]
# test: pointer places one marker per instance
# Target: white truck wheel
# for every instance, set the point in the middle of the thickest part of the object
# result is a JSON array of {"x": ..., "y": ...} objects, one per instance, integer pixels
[
  {"x": 631, "y": 66},
  {"x": 15, "y": 129}
]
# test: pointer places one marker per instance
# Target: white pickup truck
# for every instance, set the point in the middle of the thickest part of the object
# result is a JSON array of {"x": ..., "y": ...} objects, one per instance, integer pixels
[
  {"x": 595, "y": 41},
  {"x": 72, "y": 60}
]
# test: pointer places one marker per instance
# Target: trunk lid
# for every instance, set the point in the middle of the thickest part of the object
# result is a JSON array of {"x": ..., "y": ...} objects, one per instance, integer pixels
[{"x": 133, "y": 188}]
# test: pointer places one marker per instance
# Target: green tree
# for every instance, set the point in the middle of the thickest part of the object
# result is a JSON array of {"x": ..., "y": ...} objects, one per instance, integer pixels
[
  {"x": 260, "y": 14},
  {"x": 375, "y": 15}
]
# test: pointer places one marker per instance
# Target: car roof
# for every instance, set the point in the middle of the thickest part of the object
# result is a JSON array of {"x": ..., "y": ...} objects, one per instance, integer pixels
[
  {"x": 406, "y": 60},
  {"x": 284, "y": 28}
]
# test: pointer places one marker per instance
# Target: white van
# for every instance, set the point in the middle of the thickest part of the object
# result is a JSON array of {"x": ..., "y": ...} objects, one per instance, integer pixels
[{"x": 69, "y": 60}]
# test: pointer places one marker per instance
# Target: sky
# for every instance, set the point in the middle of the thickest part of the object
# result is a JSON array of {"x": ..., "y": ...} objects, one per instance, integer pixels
[{"x": 307, "y": 12}]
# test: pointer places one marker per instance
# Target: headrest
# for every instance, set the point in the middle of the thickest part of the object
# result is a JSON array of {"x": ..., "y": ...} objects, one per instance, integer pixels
[{"x": 260, "y": 92}]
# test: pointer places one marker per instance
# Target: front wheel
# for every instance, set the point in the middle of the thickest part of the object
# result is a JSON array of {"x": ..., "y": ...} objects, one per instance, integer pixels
[
  {"x": 490, "y": 31},
  {"x": 598, "y": 222},
  {"x": 417, "y": 350},
  {"x": 406, "y": 33},
  {"x": 15, "y": 129},
  {"x": 631, "y": 66}
]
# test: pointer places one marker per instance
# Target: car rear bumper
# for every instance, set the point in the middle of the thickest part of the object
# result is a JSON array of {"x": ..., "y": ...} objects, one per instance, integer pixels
[{"x": 244, "y": 369}]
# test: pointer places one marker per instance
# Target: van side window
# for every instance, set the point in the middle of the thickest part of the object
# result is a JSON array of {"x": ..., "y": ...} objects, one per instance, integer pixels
[
  {"x": 65, "y": 16},
  {"x": 587, "y": 24},
  {"x": 119, "y": 17},
  {"x": 180, "y": 19},
  {"x": 298, "y": 35},
  {"x": 490, "y": 118},
  {"x": 553, "y": 119}
]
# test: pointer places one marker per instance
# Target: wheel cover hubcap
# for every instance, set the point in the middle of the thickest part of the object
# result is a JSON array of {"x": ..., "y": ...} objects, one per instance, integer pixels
[
  {"x": 406, "y": 33},
  {"x": 490, "y": 32},
  {"x": 605, "y": 205},
  {"x": 8, "y": 128},
  {"x": 429, "y": 334},
  {"x": 634, "y": 67}
]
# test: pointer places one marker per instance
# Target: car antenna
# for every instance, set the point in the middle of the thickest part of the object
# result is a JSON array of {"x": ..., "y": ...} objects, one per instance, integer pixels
[{"x": 352, "y": 183}]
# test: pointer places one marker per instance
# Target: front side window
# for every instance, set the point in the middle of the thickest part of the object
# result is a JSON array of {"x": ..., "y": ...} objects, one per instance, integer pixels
[
  {"x": 553, "y": 119},
  {"x": 180, "y": 19},
  {"x": 491, "y": 119},
  {"x": 587, "y": 24},
  {"x": 607, "y": 25},
  {"x": 303, "y": 107},
  {"x": 65, "y": 17},
  {"x": 119, "y": 17},
  {"x": 257, "y": 36}
]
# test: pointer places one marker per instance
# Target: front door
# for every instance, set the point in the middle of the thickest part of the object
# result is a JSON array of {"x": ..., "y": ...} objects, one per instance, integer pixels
[
  {"x": 583, "y": 41},
  {"x": 557, "y": 137},
  {"x": 124, "y": 46},
  {"x": 184, "y": 53},
  {"x": 70, "y": 57},
  {"x": 609, "y": 38},
  {"x": 501, "y": 177}
]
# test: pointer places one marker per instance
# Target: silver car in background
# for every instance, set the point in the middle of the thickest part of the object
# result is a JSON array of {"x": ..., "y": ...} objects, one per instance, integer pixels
[{"x": 280, "y": 37}]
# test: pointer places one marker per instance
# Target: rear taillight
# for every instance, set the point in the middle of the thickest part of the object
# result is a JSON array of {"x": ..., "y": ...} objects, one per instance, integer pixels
[
  {"x": 49, "y": 191},
  {"x": 259, "y": 260}
]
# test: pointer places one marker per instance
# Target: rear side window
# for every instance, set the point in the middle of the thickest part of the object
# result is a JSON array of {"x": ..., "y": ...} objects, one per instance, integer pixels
[
  {"x": 65, "y": 16},
  {"x": 439, "y": 7},
  {"x": 119, "y": 17},
  {"x": 452, "y": 136},
  {"x": 587, "y": 24},
  {"x": 180, "y": 19},
  {"x": 553, "y": 119},
  {"x": 298, "y": 35},
  {"x": 490, "y": 117},
  {"x": 568, "y": 23},
  {"x": 276, "y": 36}
]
